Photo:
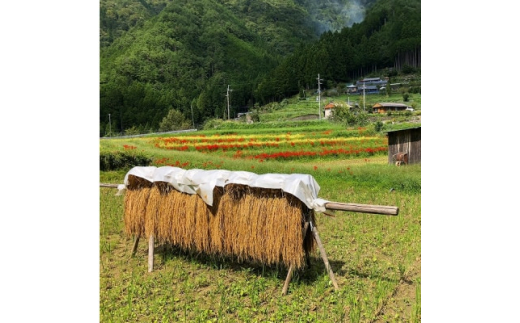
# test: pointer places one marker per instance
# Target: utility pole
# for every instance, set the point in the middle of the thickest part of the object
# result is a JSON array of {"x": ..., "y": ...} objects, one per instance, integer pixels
[
  {"x": 227, "y": 95},
  {"x": 319, "y": 97},
  {"x": 110, "y": 125}
]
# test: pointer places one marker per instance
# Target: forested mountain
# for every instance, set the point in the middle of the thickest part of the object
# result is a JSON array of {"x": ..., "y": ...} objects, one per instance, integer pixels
[
  {"x": 118, "y": 16},
  {"x": 389, "y": 36},
  {"x": 158, "y": 55}
]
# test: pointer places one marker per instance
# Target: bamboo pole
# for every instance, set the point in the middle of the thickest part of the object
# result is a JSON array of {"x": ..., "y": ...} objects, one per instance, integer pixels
[
  {"x": 291, "y": 268},
  {"x": 150, "y": 254},
  {"x": 108, "y": 185},
  {"x": 287, "y": 280},
  {"x": 363, "y": 208},
  {"x": 136, "y": 242},
  {"x": 324, "y": 255}
]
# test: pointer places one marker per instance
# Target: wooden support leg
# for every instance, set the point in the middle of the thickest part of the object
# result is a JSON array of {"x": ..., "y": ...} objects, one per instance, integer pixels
[
  {"x": 136, "y": 242},
  {"x": 150, "y": 254},
  {"x": 287, "y": 280},
  {"x": 324, "y": 256},
  {"x": 291, "y": 268}
]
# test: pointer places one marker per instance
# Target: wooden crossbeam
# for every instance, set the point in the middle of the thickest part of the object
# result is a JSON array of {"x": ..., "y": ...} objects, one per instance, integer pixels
[
  {"x": 108, "y": 185},
  {"x": 363, "y": 208}
]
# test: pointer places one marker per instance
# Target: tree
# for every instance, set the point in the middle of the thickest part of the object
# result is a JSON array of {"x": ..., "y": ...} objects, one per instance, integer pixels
[{"x": 175, "y": 120}]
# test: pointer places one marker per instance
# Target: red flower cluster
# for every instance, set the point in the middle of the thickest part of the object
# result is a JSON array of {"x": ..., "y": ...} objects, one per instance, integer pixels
[{"x": 166, "y": 162}]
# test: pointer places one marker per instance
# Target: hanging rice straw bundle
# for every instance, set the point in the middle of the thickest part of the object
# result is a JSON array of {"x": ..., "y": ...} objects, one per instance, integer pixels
[
  {"x": 159, "y": 212},
  {"x": 227, "y": 214},
  {"x": 136, "y": 200},
  {"x": 216, "y": 223},
  {"x": 292, "y": 248},
  {"x": 264, "y": 225},
  {"x": 177, "y": 207},
  {"x": 201, "y": 237},
  {"x": 251, "y": 224},
  {"x": 152, "y": 211},
  {"x": 190, "y": 215},
  {"x": 273, "y": 231}
]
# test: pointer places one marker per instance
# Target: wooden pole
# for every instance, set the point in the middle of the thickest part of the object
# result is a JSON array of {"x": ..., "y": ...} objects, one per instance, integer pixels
[
  {"x": 363, "y": 208},
  {"x": 150, "y": 254},
  {"x": 136, "y": 242},
  {"x": 108, "y": 185},
  {"x": 287, "y": 280},
  {"x": 291, "y": 268},
  {"x": 324, "y": 256}
]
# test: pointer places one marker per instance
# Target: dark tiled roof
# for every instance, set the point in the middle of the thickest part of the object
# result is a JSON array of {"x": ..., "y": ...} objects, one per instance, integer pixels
[
  {"x": 392, "y": 104},
  {"x": 412, "y": 128}
]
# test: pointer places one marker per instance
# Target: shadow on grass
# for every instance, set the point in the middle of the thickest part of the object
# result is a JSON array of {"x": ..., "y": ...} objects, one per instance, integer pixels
[
  {"x": 313, "y": 271},
  {"x": 308, "y": 275}
]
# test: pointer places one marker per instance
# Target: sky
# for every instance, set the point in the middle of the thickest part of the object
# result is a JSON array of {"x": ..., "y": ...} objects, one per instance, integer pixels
[{"x": 50, "y": 157}]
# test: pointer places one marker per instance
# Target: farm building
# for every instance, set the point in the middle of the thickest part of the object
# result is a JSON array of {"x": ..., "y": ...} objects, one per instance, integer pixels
[
  {"x": 384, "y": 107},
  {"x": 329, "y": 108},
  {"x": 371, "y": 86},
  {"x": 351, "y": 88},
  {"x": 377, "y": 81},
  {"x": 368, "y": 89},
  {"x": 405, "y": 143}
]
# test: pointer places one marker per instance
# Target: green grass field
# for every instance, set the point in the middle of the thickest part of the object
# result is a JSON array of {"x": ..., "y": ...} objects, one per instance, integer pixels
[
  {"x": 295, "y": 108},
  {"x": 376, "y": 259}
]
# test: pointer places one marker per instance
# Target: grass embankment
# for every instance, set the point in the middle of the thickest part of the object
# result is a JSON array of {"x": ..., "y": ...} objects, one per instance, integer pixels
[
  {"x": 376, "y": 259},
  {"x": 293, "y": 107}
]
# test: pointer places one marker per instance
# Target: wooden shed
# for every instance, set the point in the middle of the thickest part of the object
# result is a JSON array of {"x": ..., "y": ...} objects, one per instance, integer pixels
[
  {"x": 405, "y": 141},
  {"x": 328, "y": 110}
]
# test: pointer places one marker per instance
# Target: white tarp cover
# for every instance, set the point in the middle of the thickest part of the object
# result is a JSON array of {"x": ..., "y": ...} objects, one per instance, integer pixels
[{"x": 202, "y": 182}]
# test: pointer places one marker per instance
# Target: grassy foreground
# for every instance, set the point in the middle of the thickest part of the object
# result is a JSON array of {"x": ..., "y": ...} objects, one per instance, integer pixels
[{"x": 376, "y": 259}]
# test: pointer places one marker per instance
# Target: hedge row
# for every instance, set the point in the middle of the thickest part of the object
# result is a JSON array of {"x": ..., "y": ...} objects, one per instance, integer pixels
[{"x": 119, "y": 160}]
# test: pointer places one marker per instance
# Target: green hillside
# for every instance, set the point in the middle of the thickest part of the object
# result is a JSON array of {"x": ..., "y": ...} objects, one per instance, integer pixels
[{"x": 158, "y": 55}]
